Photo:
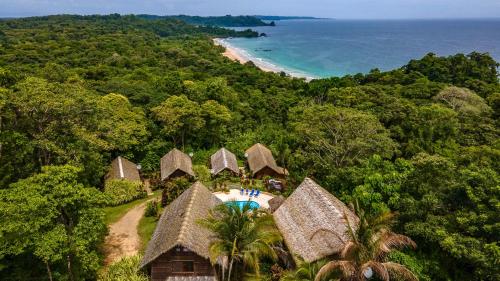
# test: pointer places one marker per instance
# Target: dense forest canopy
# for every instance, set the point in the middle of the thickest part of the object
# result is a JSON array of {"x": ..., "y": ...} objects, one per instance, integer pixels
[
  {"x": 227, "y": 21},
  {"x": 77, "y": 91}
]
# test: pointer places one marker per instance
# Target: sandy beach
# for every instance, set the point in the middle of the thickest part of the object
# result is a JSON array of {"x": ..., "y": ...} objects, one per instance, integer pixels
[{"x": 238, "y": 55}]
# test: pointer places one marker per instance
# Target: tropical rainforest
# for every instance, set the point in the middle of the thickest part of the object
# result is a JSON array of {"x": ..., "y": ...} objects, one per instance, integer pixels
[{"x": 76, "y": 91}]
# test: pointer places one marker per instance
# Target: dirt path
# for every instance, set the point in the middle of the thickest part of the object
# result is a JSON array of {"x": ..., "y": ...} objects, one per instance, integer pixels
[{"x": 123, "y": 239}]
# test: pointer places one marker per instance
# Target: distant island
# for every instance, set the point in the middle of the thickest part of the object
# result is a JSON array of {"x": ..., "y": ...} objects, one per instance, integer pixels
[
  {"x": 222, "y": 21},
  {"x": 273, "y": 18}
]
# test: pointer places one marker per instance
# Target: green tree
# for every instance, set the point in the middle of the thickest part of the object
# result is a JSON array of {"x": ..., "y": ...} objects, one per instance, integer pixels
[
  {"x": 180, "y": 117},
  {"x": 217, "y": 118},
  {"x": 55, "y": 218},
  {"x": 336, "y": 136},
  {"x": 242, "y": 238}
]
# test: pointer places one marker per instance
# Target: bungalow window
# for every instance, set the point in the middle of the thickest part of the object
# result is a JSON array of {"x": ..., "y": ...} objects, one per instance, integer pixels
[
  {"x": 188, "y": 266},
  {"x": 183, "y": 267}
]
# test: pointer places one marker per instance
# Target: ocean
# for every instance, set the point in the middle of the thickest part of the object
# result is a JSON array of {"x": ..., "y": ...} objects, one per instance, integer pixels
[{"x": 325, "y": 47}]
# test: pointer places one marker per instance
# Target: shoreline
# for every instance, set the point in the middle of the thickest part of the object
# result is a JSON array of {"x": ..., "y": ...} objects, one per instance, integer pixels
[{"x": 236, "y": 54}]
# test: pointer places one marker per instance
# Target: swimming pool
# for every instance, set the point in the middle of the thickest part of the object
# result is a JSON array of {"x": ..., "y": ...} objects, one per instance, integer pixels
[{"x": 252, "y": 204}]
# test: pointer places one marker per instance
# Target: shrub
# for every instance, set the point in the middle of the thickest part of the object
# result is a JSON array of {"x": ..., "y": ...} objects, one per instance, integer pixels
[
  {"x": 202, "y": 172},
  {"x": 173, "y": 188},
  {"x": 120, "y": 192},
  {"x": 152, "y": 208},
  {"x": 127, "y": 269}
]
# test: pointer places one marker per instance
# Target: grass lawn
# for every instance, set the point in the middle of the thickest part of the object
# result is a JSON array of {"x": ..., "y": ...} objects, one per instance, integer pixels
[
  {"x": 145, "y": 230},
  {"x": 112, "y": 214}
]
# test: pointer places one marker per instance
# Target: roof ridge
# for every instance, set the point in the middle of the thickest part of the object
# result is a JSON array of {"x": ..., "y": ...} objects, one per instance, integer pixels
[{"x": 188, "y": 212}]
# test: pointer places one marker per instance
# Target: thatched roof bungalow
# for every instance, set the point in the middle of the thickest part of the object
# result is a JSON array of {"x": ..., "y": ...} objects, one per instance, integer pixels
[
  {"x": 179, "y": 247},
  {"x": 224, "y": 160},
  {"x": 122, "y": 168},
  {"x": 312, "y": 222},
  {"x": 261, "y": 162},
  {"x": 175, "y": 164}
]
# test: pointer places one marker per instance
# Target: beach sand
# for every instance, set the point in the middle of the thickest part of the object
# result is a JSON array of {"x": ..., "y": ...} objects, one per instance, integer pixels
[{"x": 235, "y": 55}]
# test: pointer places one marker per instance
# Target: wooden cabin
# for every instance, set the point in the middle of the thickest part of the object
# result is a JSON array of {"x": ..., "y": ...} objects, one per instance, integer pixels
[
  {"x": 261, "y": 162},
  {"x": 313, "y": 222},
  {"x": 224, "y": 160},
  {"x": 179, "y": 247},
  {"x": 123, "y": 169},
  {"x": 175, "y": 164}
]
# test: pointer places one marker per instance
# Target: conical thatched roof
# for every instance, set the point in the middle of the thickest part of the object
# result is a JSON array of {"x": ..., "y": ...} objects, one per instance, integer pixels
[
  {"x": 175, "y": 160},
  {"x": 312, "y": 222},
  {"x": 260, "y": 157},
  {"x": 122, "y": 168},
  {"x": 222, "y": 160},
  {"x": 178, "y": 225}
]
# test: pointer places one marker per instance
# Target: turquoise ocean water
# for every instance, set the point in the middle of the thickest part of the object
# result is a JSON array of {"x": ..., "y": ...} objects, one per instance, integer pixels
[{"x": 323, "y": 48}]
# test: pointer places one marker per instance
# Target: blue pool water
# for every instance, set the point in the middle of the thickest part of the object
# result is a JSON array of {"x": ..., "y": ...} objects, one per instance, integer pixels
[
  {"x": 253, "y": 205},
  {"x": 323, "y": 48}
]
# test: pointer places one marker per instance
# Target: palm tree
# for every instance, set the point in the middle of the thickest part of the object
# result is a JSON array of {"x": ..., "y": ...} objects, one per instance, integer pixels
[
  {"x": 242, "y": 238},
  {"x": 366, "y": 254},
  {"x": 304, "y": 271}
]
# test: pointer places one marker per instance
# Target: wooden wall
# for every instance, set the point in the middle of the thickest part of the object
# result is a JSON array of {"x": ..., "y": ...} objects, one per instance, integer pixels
[{"x": 171, "y": 264}]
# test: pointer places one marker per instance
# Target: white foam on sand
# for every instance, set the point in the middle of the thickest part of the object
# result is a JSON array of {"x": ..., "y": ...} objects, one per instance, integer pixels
[{"x": 238, "y": 54}]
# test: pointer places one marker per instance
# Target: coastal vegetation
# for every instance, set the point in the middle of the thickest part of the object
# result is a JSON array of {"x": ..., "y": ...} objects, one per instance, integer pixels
[
  {"x": 77, "y": 91},
  {"x": 227, "y": 21}
]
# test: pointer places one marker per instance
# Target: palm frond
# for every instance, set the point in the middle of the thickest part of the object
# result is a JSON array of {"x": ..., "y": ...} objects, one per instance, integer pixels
[
  {"x": 377, "y": 268},
  {"x": 345, "y": 268},
  {"x": 390, "y": 241},
  {"x": 349, "y": 250},
  {"x": 400, "y": 271}
]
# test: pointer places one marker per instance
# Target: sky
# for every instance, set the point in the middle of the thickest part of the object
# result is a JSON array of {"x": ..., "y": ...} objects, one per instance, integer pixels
[{"x": 341, "y": 9}]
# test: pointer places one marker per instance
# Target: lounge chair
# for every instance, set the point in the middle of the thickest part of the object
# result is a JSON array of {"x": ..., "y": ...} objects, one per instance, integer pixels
[
  {"x": 246, "y": 192},
  {"x": 257, "y": 193},
  {"x": 242, "y": 191},
  {"x": 251, "y": 193}
]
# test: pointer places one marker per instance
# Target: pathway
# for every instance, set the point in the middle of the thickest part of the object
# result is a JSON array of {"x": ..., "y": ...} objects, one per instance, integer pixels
[{"x": 123, "y": 239}]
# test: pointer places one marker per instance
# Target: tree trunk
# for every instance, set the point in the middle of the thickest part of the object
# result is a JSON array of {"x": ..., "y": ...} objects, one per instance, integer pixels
[
  {"x": 230, "y": 269},
  {"x": 70, "y": 272},
  {"x": 49, "y": 272}
]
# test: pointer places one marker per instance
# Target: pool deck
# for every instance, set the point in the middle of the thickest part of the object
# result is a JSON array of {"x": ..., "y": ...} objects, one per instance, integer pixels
[{"x": 234, "y": 194}]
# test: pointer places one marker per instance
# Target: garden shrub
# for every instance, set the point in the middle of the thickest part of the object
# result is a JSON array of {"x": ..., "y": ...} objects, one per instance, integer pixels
[
  {"x": 126, "y": 269},
  {"x": 152, "y": 208},
  {"x": 120, "y": 192}
]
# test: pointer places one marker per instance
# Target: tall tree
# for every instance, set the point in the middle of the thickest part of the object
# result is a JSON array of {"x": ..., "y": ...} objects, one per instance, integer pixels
[{"x": 56, "y": 219}]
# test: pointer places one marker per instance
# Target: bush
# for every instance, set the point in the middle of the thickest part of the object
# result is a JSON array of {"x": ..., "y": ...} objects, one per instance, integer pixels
[
  {"x": 152, "y": 208},
  {"x": 127, "y": 269},
  {"x": 202, "y": 172},
  {"x": 120, "y": 192},
  {"x": 173, "y": 188}
]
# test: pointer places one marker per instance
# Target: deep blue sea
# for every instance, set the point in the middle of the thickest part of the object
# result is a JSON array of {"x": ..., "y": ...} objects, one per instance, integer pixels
[{"x": 323, "y": 48}]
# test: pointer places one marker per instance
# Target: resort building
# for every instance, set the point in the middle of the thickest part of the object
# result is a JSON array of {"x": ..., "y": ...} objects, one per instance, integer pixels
[
  {"x": 313, "y": 222},
  {"x": 261, "y": 162},
  {"x": 224, "y": 160},
  {"x": 122, "y": 168},
  {"x": 179, "y": 247},
  {"x": 175, "y": 164}
]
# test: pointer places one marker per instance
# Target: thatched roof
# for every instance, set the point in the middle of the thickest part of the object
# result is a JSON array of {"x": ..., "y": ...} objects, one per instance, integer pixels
[
  {"x": 122, "y": 168},
  {"x": 275, "y": 203},
  {"x": 175, "y": 160},
  {"x": 259, "y": 157},
  {"x": 312, "y": 222},
  {"x": 178, "y": 225},
  {"x": 222, "y": 160}
]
